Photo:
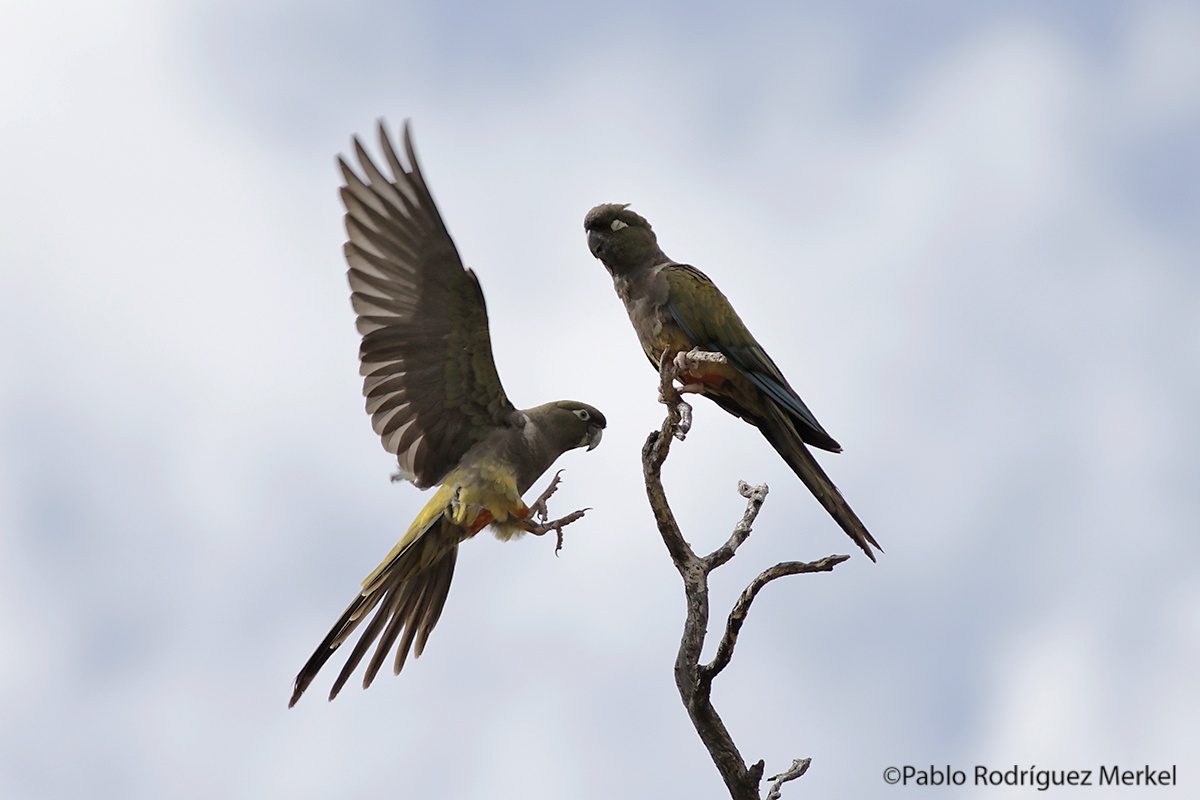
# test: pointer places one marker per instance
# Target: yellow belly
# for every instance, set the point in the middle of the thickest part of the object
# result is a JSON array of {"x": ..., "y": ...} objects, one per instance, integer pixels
[{"x": 469, "y": 499}]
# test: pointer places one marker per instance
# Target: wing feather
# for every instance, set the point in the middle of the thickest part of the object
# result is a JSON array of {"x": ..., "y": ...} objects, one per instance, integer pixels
[
  {"x": 708, "y": 318},
  {"x": 429, "y": 377}
]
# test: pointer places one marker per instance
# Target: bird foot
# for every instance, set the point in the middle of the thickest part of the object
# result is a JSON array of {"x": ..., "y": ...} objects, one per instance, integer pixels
[
  {"x": 542, "y": 524},
  {"x": 542, "y": 528},
  {"x": 539, "y": 505}
]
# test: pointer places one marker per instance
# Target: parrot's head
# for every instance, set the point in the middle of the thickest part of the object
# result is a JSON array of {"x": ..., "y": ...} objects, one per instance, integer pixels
[
  {"x": 570, "y": 424},
  {"x": 621, "y": 239}
]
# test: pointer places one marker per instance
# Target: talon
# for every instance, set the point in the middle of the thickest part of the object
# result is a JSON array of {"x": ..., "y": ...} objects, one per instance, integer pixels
[
  {"x": 539, "y": 505},
  {"x": 542, "y": 528}
]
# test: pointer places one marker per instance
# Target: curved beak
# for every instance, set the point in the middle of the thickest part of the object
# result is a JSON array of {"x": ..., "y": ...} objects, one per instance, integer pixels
[
  {"x": 596, "y": 242},
  {"x": 593, "y": 436}
]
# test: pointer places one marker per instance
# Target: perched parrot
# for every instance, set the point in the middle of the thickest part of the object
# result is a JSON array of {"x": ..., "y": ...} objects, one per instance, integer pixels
[
  {"x": 675, "y": 308},
  {"x": 436, "y": 401}
]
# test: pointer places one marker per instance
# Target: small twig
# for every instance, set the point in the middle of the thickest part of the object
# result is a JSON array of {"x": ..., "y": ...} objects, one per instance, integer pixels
[
  {"x": 695, "y": 357},
  {"x": 798, "y": 768},
  {"x": 684, "y": 424},
  {"x": 741, "y": 608},
  {"x": 755, "y": 495},
  {"x": 679, "y": 412}
]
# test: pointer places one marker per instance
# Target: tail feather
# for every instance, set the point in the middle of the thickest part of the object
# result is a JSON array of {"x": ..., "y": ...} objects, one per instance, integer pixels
[
  {"x": 350, "y": 619},
  {"x": 781, "y": 433},
  {"x": 413, "y": 609},
  {"x": 407, "y": 595}
]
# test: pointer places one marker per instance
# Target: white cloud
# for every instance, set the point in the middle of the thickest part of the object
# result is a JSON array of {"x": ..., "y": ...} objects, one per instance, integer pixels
[{"x": 952, "y": 264}]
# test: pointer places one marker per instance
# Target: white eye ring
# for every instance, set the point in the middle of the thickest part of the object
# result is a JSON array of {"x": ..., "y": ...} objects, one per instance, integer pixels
[
  {"x": 582, "y": 414},
  {"x": 617, "y": 225}
]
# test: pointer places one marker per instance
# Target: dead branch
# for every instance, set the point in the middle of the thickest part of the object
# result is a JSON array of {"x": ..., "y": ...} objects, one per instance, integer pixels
[
  {"x": 694, "y": 680},
  {"x": 798, "y": 768}
]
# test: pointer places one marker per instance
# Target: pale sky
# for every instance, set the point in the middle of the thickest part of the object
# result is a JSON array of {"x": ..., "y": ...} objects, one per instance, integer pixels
[{"x": 968, "y": 235}]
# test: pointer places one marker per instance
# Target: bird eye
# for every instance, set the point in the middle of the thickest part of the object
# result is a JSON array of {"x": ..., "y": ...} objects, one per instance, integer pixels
[
  {"x": 583, "y": 414},
  {"x": 617, "y": 225}
]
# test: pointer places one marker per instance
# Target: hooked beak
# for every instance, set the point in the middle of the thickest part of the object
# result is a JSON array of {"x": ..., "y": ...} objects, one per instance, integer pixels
[
  {"x": 593, "y": 436},
  {"x": 596, "y": 243}
]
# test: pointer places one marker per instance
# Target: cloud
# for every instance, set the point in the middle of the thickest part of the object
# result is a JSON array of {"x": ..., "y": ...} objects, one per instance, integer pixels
[{"x": 967, "y": 244}]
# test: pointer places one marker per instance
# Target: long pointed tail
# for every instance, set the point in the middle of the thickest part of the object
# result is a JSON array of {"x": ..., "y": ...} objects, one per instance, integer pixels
[
  {"x": 410, "y": 589},
  {"x": 782, "y": 435}
]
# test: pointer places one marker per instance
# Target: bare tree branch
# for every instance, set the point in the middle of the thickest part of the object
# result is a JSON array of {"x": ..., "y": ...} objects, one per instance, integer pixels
[
  {"x": 756, "y": 495},
  {"x": 740, "y": 609},
  {"x": 798, "y": 768},
  {"x": 693, "y": 680}
]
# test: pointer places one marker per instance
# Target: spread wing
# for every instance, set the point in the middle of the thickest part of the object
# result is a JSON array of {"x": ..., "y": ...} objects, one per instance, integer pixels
[{"x": 428, "y": 374}]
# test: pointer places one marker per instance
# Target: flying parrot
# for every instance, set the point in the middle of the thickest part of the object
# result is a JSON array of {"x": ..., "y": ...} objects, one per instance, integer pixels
[
  {"x": 436, "y": 402},
  {"x": 675, "y": 308}
]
